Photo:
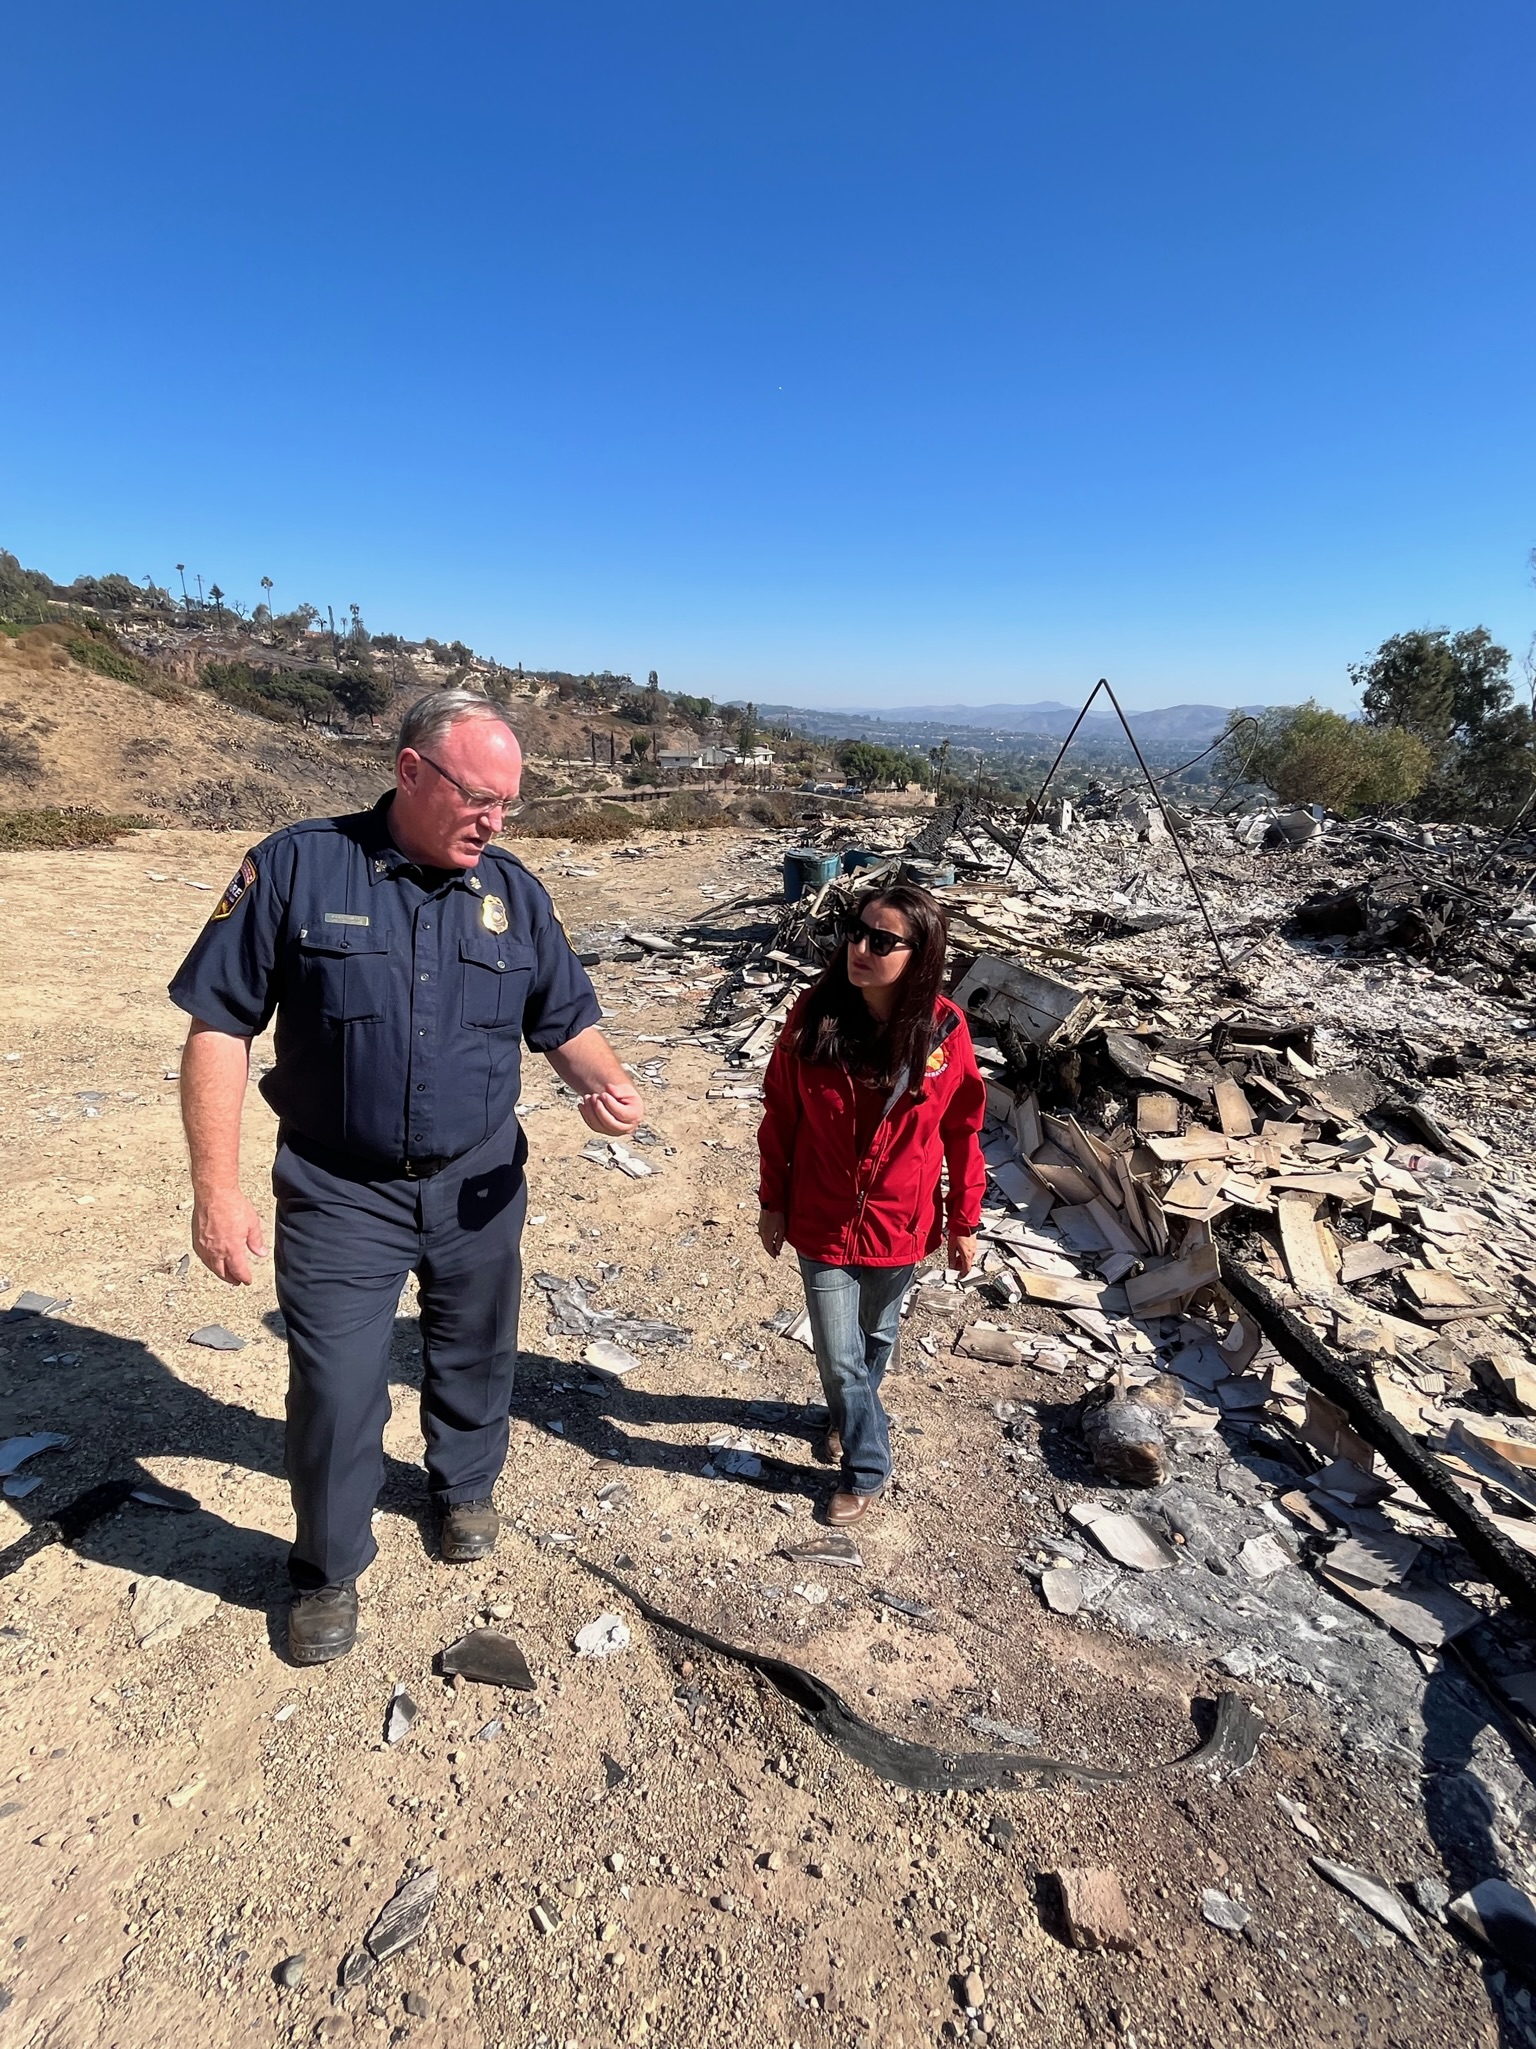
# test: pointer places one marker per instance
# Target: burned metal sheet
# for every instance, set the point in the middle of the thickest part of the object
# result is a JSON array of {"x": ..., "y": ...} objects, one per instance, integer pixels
[{"x": 919, "y": 1766}]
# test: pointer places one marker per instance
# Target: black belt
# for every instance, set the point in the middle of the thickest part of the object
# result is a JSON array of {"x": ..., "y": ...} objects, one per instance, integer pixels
[
  {"x": 423, "y": 1170},
  {"x": 367, "y": 1166}
]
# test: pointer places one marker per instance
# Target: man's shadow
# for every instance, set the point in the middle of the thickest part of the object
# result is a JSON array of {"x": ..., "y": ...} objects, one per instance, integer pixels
[{"x": 122, "y": 1405}]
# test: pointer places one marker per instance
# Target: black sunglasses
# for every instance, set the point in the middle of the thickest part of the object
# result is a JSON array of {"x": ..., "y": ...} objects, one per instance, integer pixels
[{"x": 879, "y": 943}]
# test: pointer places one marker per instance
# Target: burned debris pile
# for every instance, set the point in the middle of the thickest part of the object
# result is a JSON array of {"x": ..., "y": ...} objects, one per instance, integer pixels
[{"x": 1194, "y": 1157}]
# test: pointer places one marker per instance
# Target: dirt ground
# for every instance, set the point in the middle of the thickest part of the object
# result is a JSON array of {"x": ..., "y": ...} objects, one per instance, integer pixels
[{"x": 179, "y": 1819}]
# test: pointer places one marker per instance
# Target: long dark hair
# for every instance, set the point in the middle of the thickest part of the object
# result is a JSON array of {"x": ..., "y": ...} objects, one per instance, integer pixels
[{"x": 837, "y": 1027}]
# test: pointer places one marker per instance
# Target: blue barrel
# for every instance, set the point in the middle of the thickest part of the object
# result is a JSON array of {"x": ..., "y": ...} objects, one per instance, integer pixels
[
  {"x": 805, "y": 868},
  {"x": 930, "y": 874},
  {"x": 855, "y": 858}
]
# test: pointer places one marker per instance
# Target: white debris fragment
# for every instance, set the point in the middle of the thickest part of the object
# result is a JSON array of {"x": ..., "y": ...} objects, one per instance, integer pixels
[{"x": 604, "y": 1638}]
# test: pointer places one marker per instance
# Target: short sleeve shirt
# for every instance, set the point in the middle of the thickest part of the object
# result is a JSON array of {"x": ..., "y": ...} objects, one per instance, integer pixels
[{"x": 403, "y": 995}]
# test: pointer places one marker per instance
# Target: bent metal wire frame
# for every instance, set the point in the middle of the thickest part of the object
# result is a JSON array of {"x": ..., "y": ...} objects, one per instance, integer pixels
[{"x": 1157, "y": 797}]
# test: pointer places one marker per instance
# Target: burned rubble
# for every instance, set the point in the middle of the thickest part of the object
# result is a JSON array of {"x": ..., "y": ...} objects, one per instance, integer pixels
[
  {"x": 1259, "y": 1238},
  {"x": 1120, "y": 1502}
]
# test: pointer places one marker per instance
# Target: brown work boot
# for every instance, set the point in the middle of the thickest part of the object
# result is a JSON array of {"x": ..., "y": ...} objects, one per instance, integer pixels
[
  {"x": 828, "y": 1448},
  {"x": 323, "y": 1625},
  {"x": 468, "y": 1532},
  {"x": 848, "y": 1508}
]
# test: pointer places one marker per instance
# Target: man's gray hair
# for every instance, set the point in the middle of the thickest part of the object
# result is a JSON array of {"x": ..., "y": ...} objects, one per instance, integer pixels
[{"x": 429, "y": 719}]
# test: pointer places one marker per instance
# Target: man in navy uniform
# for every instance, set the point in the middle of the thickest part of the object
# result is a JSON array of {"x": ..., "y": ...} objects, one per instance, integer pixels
[{"x": 407, "y": 960}]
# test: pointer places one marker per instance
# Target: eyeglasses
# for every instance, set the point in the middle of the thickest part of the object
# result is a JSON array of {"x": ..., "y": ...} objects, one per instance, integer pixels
[
  {"x": 856, "y": 932},
  {"x": 476, "y": 800}
]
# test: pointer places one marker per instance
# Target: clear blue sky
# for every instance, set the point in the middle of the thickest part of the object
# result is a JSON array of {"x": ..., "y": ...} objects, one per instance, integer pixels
[{"x": 830, "y": 353}]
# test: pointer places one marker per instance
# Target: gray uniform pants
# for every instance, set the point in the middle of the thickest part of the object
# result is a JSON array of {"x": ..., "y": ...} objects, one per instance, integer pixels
[{"x": 345, "y": 1244}]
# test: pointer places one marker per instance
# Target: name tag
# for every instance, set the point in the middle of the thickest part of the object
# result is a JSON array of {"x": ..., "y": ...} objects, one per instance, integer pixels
[{"x": 345, "y": 918}]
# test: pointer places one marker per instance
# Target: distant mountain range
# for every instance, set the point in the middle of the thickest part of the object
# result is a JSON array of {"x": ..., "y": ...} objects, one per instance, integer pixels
[{"x": 1187, "y": 726}]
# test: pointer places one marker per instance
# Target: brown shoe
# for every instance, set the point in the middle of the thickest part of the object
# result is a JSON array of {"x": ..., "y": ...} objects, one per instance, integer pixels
[
  {"x": 828, "y": 1449},
  {"x": 847, "y": 1508}
]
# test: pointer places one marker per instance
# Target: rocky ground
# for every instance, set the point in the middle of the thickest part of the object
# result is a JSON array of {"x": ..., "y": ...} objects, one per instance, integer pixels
[{"x": 655, "y": 1846}]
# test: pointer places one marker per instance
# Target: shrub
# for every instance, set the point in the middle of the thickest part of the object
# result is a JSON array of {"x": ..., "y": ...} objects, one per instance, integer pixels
[
  {"x": 579, "y": 823},
  {"x": 105, "y": 657},
  {"x": 1307, "y": 755},
  {"x": 29, "y": 831},
  {"x": 689, "y": 811},
  {"x": 275, "y": 694},
  {"x": 21, "y": 760}
]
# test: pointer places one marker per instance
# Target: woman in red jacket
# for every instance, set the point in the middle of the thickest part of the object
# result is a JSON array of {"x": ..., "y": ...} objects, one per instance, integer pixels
[{"x": 872, "y": 1089}]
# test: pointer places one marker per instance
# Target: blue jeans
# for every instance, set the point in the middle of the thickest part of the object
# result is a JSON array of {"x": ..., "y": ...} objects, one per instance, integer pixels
[{"x": 855, "y": 1315}]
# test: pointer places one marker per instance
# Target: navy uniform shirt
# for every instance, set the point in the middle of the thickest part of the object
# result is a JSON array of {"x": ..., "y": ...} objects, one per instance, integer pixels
[{"x": 403, "y": 994}]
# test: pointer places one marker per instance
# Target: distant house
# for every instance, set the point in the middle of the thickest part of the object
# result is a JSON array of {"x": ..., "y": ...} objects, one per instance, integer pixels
[
  {"x": 678, "y": 757},
  {"x": 758, "y": 757},
  {"x": 716, "y": 757}
]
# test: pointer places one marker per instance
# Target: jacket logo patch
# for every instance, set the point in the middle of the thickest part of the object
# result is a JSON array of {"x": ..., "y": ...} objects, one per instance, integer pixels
[
  {"x": 236, "y": 889},
  {"x": 938, "y": 1060}
]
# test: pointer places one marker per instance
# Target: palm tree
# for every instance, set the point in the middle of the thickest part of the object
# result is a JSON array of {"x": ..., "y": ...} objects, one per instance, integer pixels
[
  {"x": 181, "y": 571},
  {"x": 266, "y": 584},
  {"x": 217, "y": 595}
]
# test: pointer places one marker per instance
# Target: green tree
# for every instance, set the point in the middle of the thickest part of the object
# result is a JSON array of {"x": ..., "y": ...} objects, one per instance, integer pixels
[
  {"x": 24, "y": 593},
  {"x": 875, "y": 767},
  {"x": 746, "y": 731},
  {"x": 362, "y": 692},
  {"x": 112, "y": 593},
  {"x": 1453, "y": 691},
  {"x": 1441, "y": 685},
  {"x": 292, "y": 626},
  {"x": 1308, "y": 755}
]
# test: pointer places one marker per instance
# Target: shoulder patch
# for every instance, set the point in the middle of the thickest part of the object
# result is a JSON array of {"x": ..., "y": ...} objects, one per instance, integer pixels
[
  {"x": 938, "y": 1060},
  {"x": 237, "y": 888}
]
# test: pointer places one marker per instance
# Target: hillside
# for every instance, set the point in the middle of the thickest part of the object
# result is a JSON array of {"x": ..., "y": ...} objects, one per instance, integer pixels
[
  {"x": 73, "y": 738},
  {"x": 1164, "y": 733}
]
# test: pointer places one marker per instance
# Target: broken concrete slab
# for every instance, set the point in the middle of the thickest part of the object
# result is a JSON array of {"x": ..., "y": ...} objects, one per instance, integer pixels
[
  {"x": 1061, "y": 1588},
  {"x": 1128, "y": 1539},
  {"x": 1094, "y": 1910},
  {"x": 160, "y": 1610}
]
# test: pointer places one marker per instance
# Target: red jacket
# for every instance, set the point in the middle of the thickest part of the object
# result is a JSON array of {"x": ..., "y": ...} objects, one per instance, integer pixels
[{"x": 887, "y": 1208}]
